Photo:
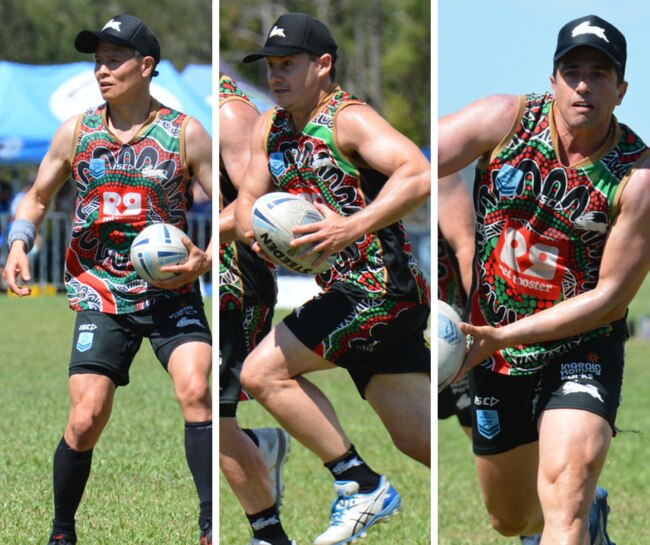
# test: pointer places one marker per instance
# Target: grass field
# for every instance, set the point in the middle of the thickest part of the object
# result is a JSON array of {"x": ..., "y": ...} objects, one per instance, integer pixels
[
  {"x": 462, "y": 518},
  {"x": 309, "y": 488},
  {"x": 140, "y": 490}
]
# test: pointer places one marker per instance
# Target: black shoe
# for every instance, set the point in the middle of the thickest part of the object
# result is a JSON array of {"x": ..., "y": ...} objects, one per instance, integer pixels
[
  {"x": 206, "y": 532},
  {"x": 62, "y": 539}
]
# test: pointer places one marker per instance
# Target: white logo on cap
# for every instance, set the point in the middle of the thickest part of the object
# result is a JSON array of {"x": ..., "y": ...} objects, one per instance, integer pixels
[
  {"x": 586, "y": 28},
  {"x": 277, "y": 31},
  {"x": 113, "y": 24}
]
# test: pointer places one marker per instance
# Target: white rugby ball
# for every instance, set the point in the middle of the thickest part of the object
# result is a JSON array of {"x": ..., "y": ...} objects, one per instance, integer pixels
[
  {"x": 451, "y": 345},
  {"x": 156, "y": 246},
  {"x": 274, "y": 217}
]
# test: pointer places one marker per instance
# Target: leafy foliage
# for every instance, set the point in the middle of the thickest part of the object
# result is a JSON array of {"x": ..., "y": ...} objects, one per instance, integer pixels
[
  {"x": 43, "y": 31},
  {"x": 384, "y": 51}
]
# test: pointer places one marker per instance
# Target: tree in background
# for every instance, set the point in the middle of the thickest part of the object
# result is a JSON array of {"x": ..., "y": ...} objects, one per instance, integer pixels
[
  {"x": 384, "y": 47},
  {"x": 43, "y": 31}
]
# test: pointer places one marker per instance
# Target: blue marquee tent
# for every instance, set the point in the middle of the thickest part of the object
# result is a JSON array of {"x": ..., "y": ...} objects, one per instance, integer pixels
[{"x": 35, "y": 100}]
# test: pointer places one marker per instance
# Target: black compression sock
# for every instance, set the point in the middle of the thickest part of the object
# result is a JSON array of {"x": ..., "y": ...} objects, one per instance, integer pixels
[
  {"x": 70, "y": 475},
  {"x": 266, "y": 526},
  {"x": 351, "y": 467},
  {"x": 252, "y": 435},
  {"x": 198, "y": 452}
]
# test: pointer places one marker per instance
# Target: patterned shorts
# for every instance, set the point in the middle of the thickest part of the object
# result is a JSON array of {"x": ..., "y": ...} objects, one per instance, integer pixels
[
  {"x": 239, "y": 333},
  {"x": 366, "y": 336}
]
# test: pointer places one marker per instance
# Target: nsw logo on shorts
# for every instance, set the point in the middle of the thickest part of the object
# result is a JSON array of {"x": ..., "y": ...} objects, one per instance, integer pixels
[
  {"x": 488, "y": 423},
  {"x": 85, "y": 341}
]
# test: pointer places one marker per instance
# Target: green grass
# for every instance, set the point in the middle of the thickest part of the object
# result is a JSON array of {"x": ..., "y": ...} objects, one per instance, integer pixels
[
  {"x": 309, "y": 487},
  {"x": 462, "y": 518},
  {"x": 140, "y": 490}
]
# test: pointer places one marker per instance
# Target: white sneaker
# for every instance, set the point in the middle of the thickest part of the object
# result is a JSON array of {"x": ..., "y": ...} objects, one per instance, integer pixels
[
  {"x": 275, "y": 444},
  {"x": 353, "y": 513}
]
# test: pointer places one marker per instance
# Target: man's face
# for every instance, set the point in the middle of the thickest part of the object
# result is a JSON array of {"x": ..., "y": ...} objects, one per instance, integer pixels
[
  {"x": 294, "y": 80},
  {"x": 118, "y": 70},
  {"x": 586, "y": 88}
]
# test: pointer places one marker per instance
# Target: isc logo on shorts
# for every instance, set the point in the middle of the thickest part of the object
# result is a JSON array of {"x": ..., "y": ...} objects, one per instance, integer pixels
[{"x": 116, "y": 204}]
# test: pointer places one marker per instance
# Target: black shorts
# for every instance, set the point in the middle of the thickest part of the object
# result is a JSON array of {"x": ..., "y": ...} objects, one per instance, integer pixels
[
  {"x": 366, "y": 336},
  {"x": 455, "y": 400},
  {"x": 239, "y": 332},
  {"x": 106, "y": 344},
  {"x": 506, "y": 409}
]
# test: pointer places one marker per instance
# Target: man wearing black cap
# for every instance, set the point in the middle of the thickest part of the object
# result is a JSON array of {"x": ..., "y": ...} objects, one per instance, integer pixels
[
  {"x": 364, "y": 176},
  {"x": 563, "y": 232},
  {"x": 133, "y": 161}
]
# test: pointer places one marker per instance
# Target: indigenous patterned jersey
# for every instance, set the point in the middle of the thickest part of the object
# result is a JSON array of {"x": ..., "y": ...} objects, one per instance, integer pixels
[
  {"x": 541, "y": 226},
  {"x": 122, "y": 188},
  {"x": 243, "y": 277},
  {"x": 309, "y": 164},
  {"x": 450, "y": 287}
]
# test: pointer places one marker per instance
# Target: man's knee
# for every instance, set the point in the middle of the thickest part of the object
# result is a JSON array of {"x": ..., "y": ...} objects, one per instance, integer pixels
[
  {"x": 510, "y": 525},
  {"x": 85, "y": 425},
  {"x": 252, "y": 378},
  {"x": 194, "y": 392}
]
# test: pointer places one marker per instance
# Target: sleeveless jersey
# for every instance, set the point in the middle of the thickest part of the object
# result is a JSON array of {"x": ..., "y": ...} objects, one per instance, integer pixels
[
  {"x": 122, "y": 188},
  {"x": 450, "y": 287},
  {"x": 541, "y": 227},
  {"x": 308, "y": 163},
  {"x": 244, "y": 278}
]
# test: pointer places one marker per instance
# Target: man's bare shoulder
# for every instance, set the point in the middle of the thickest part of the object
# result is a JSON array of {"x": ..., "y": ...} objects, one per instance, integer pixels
[
  {"x": 63, "y": 141},
  {"x": 636, "y": 193},
  {"x": 234, "y": 113},
  {"x": 493, "y": 108}
]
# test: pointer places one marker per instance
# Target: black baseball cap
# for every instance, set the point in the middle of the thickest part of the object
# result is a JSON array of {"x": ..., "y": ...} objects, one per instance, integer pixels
[
  {"x": 295, "y": 33},
  {"x": 592, "y": 31},
  {"x": 124, "y": 30}
]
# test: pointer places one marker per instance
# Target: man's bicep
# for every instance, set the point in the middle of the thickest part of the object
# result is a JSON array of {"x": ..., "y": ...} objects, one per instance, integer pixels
[
  {"x": 236, "y": 122},
  {"x": 56, "y": 166},
  {"x": 199, "y": 154},
  {"x": 626, "y": 255},
  {"x": 363, "y": 133},
  {"x": 466, "y": 135}
]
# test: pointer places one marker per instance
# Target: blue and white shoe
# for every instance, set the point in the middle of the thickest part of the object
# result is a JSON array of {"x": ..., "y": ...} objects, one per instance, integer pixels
[
  {"x": 598, "y": 519},
  {"x": 353, "y": 512},
  {"x": 275, "y": 445},
  {"x": 531, "y": 540}
]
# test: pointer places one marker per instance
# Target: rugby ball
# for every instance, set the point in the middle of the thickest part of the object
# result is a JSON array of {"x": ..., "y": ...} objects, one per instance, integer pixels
[
  {"x": 274, "y": 217},
  {"x": 451, "y": 345},
  {"x": 156, "y": 246}
]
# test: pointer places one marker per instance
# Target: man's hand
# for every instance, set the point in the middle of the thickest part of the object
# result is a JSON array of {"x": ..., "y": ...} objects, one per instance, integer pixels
[
  {"x": 327, "y": 236},
  {"x": 198, "y": 263},
  {"x": 17, "y": 267},
  {"x": 486, "y": 341}
]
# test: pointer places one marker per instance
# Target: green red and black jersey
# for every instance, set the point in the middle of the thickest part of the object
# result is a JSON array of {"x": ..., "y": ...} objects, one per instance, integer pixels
[
  {"x": 542, "y": 226},
  {"x": 121, "y": 189},
  {"x": 450, "y": 286},
  {"x": 244, "y": 278},
  {"x": 309, "y": 163}
]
